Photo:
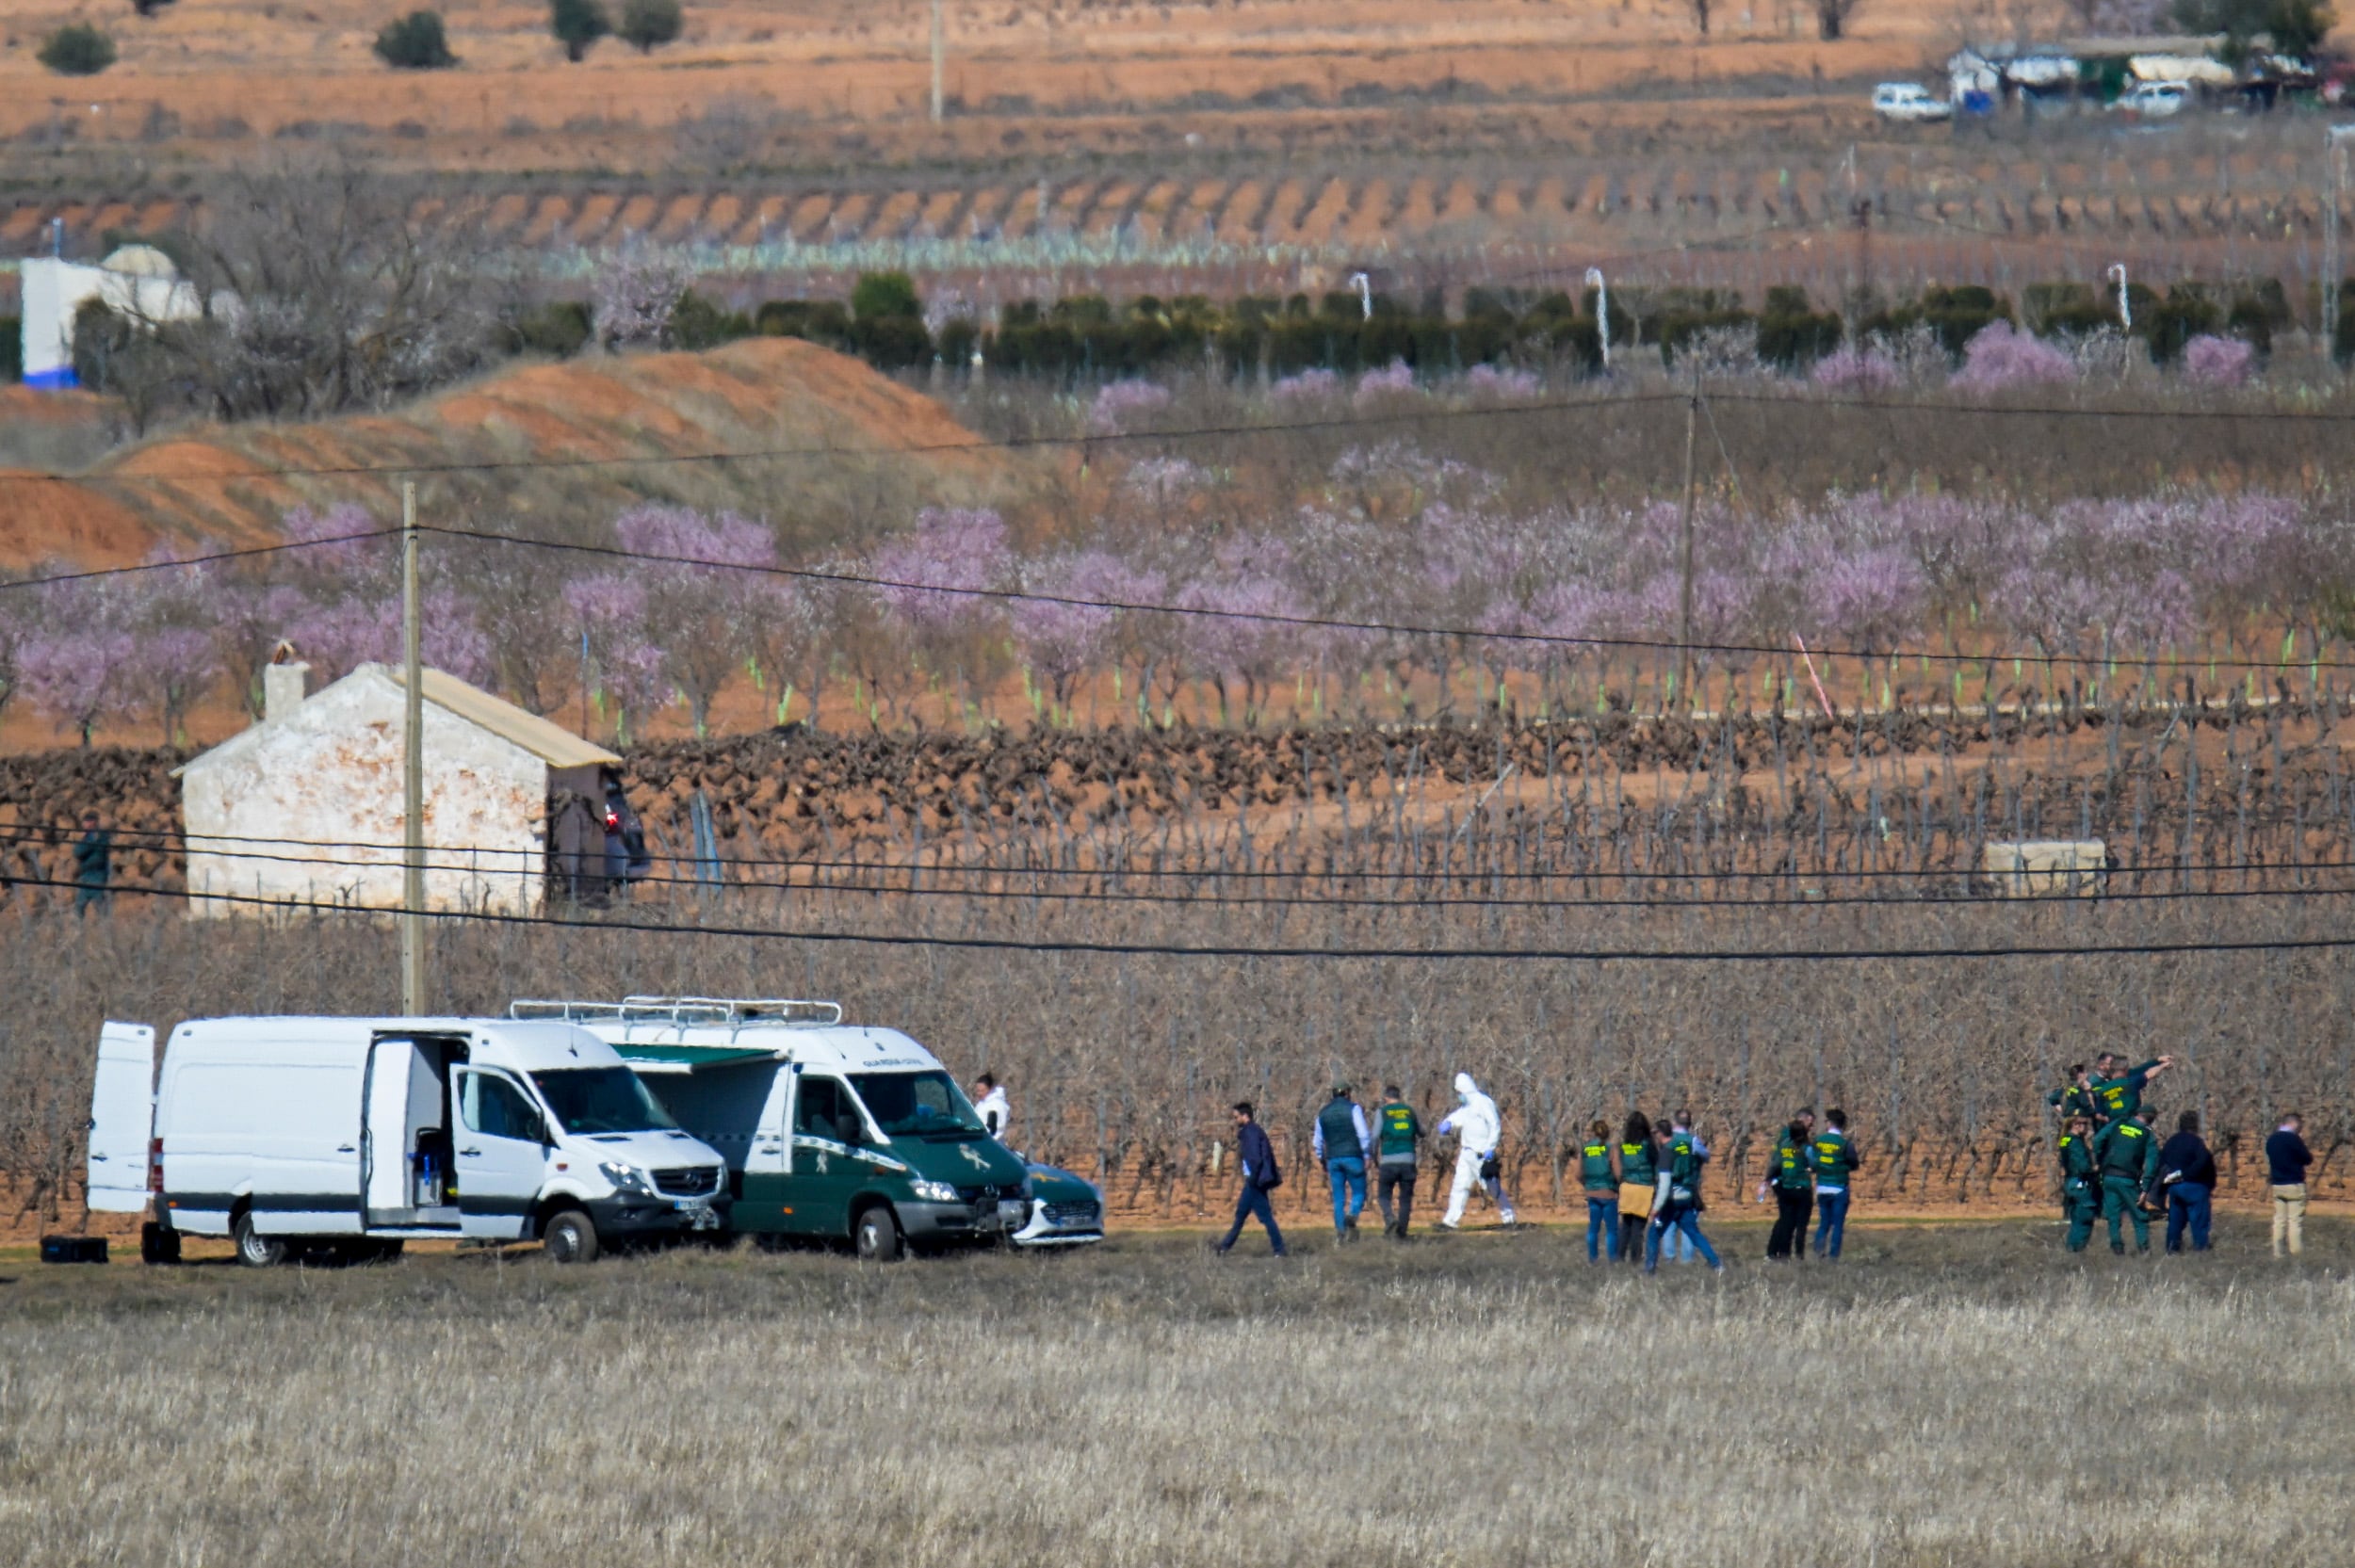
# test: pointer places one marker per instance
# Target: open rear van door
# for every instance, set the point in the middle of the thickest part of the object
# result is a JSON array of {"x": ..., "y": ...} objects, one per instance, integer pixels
[{"x": 122, "y": 1118}]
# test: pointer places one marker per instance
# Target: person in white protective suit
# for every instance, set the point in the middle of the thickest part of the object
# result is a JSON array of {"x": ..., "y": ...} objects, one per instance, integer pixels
[{"x": 1477, "y": 1128}]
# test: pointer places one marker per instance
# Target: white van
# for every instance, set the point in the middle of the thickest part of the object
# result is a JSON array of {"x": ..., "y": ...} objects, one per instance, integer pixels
[
  {"x": 346, "y": 1137},
  {"x": 834, "y": 1131}
]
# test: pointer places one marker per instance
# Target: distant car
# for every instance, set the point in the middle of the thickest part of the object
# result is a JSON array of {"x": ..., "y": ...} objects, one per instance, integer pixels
[
  {"x": 1065, "y": 1210},
  {"x": 2154, "y": 100},
  {"x": 1910, "y": 101}
]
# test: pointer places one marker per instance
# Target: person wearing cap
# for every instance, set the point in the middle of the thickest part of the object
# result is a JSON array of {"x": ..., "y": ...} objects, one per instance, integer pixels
[
  {"x": 1340, "y": 1143},
  {"x": 2081, "y": 1182}
]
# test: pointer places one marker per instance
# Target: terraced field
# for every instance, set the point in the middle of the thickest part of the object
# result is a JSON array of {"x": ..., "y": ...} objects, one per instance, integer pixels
[{"x": 2209, "y": 205}]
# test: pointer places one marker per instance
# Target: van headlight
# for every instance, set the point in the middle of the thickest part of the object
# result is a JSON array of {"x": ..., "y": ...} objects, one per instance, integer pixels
[
  {"x": 933, "y": 1192},
  {"x": 626, "y": 1178}
]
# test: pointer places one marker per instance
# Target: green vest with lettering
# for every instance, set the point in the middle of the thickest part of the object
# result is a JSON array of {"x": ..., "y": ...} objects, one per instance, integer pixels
[
  {"x": 1636, "y": 1166},
  {"x": 2126, "y": 1149},
  {"x": 1685, "y": 1164},
  {"x": 1594, "y": 1167},
  {"x": 1395, "y": 1130},
  {"x": 1791, "y": 1166},
  {"x": 1340, "y": 1131}
]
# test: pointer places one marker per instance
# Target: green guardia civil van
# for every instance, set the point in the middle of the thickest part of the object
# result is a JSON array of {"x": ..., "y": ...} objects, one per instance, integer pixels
[{"x": 830, "y": 1131}]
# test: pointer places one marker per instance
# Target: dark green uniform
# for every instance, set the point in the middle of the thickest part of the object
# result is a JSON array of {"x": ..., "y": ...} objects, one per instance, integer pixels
[
  {"x": 2116, "y": 1099},
  {"x": 2072, "y": 1100},
  {"x": 2081, "y": 1189},
  {"x": 2128, "y": 1157}
]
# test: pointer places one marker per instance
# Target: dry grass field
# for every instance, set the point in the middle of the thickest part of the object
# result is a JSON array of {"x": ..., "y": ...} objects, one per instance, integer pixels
[{"x": 1958, "y": 1395}]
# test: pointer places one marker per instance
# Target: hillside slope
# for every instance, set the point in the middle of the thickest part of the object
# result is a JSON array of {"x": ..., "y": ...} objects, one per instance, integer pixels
[{"x": 839, "y": 449}]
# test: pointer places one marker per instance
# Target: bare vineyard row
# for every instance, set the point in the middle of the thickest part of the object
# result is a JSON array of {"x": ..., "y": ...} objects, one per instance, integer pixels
[{"x": 2252, "y": 198}]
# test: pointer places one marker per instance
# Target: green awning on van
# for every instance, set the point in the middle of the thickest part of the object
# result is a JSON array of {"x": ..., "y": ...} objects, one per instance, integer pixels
[{"x": 689, "y": 1059}]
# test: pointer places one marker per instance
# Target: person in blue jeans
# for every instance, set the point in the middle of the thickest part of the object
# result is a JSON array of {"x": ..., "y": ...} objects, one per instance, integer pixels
[
  {"x": 1676, "y": 1207},
  {"x": 1259, "y": 1177},
  {"x": 1675, "y": 1246},
  {"x": 2187, "y": 1176},
  {"x": 1599, "y": 1178},
  {"x": 1341, "y": 1142},
  {"x": 1836, "y": 1162}
]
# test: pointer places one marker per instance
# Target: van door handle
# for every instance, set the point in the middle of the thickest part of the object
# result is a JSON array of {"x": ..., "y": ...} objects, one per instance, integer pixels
[
  {"x": 347, "y": 1149},
  {"x": 470, "y": 1154}
]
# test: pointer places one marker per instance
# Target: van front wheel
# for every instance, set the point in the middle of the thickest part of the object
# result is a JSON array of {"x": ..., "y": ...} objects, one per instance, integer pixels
[
  {"x": 569, "y": 1237},
  {"x": 254, "y": 1249},
  {"x": 876, "y": 1237}
]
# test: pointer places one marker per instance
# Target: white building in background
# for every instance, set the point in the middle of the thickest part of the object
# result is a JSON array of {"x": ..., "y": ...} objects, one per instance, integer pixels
[
  {"x": 305, "y": 806},
  {"x": 135, "y": 281}
]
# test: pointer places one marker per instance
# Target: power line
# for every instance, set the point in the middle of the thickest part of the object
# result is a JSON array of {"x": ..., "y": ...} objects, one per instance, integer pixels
[
  {"x": 198, "y": 560},
  {"x": 1232, "y": 950}
]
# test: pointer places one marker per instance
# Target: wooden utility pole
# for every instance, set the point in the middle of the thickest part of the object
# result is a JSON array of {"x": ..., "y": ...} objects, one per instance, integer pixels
[
  {"x": 1684, "y": 545},
  {"x": 411, "y": 768},
  {"x": 940, "y": 50}
]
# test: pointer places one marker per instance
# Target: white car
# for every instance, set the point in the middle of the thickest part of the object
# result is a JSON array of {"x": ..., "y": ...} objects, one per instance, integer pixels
[
  {"x": 2154, "y": 100},
  {"x": 1910, "y": 102}
]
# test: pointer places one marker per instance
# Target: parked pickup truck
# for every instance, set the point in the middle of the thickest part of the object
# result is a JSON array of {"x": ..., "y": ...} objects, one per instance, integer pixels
[
  {"x": 834, "y": 1131},
  {"x": 1910, "y": 101}
]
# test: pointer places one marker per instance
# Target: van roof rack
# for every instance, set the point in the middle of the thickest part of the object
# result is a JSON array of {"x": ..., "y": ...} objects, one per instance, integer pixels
[{"x": 778, "y": 1010}]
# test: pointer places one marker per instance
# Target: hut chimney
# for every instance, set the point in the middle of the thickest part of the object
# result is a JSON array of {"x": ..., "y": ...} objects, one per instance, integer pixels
[{"x": 283, "y": 683}]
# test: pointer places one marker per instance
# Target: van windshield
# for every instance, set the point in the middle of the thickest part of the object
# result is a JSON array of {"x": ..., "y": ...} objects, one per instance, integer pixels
[
  {"x": 592, "y": 1100},
  {"x": 916, "y": 1104}
]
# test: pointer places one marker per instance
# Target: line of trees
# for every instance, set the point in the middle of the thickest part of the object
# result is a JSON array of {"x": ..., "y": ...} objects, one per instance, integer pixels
[{"x": 1389, "y": 535}]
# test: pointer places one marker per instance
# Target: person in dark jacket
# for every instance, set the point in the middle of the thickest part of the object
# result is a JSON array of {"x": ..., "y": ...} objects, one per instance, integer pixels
[
  {"x": 93, "y": 865},
  {"x": 1792, "y": 1179},
  {"x": 2286, "y": 1159},
  {"x": 2187, "y": 1176},
  {"x": 1259, "y": 1177}
]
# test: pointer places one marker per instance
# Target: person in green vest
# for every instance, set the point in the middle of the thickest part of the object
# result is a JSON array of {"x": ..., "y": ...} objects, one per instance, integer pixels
[
  {"x": 2074, "y": 1098},
  {"x": 1791, "y": 1177},
  {"x": 1639, "y": 1166},
  {"x": 1398, "y": 1146},
  {"x": 1598, "y": 1177},
  {"x": 1834, "y": 1162},
  {"x": 2128, "y": 1159},
  {"x": 1676, "y": 1206},
  {"x": 2119, "y": 1095},
  {"x": 1340, "y": 1143},
  {"x": 2081, "y": 1182}
]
